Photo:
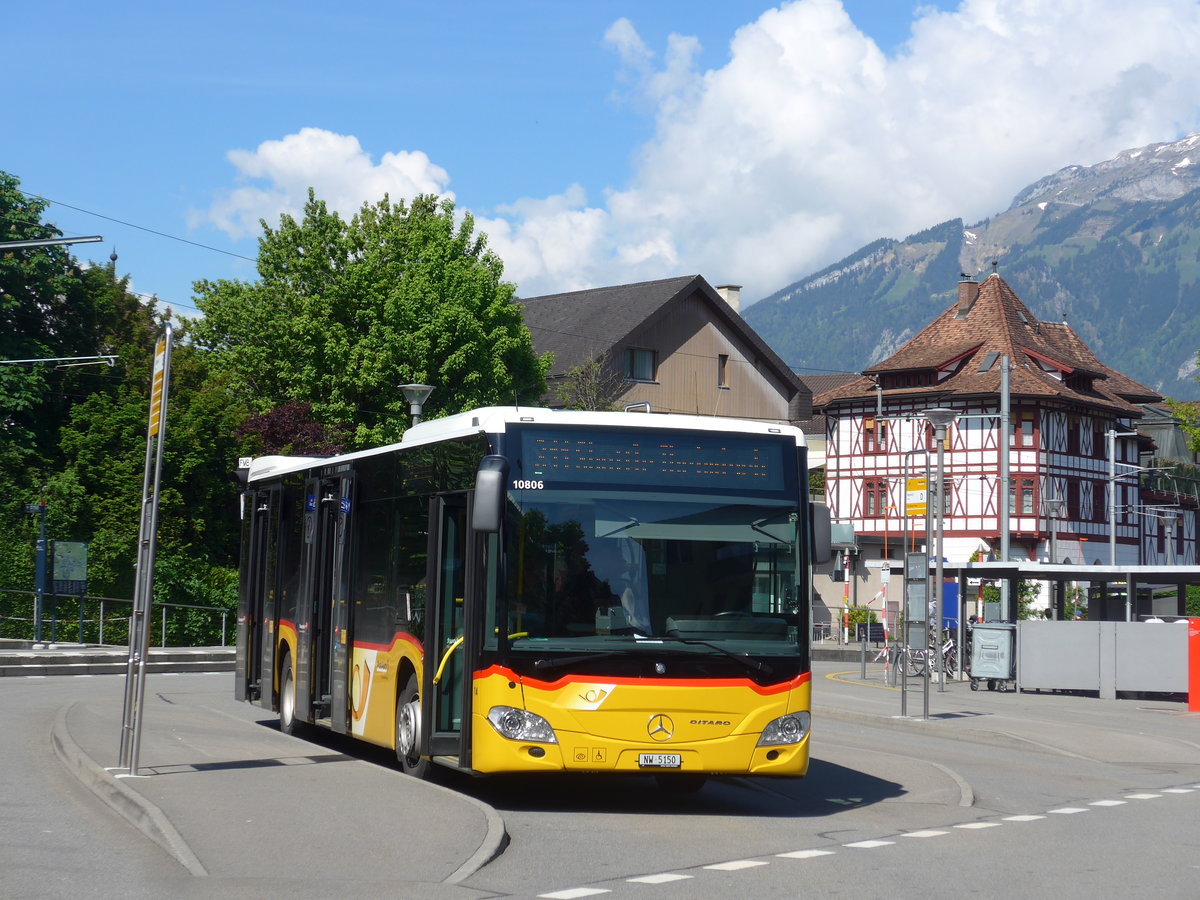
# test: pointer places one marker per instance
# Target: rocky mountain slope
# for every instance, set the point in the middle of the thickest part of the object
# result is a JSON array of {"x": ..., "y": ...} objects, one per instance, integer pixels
[{"x": 1113, "y": 248}]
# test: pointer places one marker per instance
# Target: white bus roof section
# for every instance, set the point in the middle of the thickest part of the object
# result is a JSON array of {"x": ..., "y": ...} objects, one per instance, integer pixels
[{"x": 497, "y": 419}]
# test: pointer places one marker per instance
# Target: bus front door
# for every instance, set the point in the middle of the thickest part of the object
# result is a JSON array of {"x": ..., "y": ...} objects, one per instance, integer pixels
[{"x": 452, "y": 633}]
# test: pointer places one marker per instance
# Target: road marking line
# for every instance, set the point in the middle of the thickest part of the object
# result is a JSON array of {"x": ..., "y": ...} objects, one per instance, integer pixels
[
  {"x": 1068, "y": 810},
  {"x": 1022, "y": 818},
  {"x": 805, "y": 854},
  {"x": 1142, "y": 796},
  {"x": 662, "y": 878},
  {"x": 1107, "y": 803},
  {"x": 869, "y": 845},
  {"x": 978, "y": 825},
  {"x": 1178, "y": 790},
  {"x": 575, "y": 893},
  {"x": 924, "y": 834},
  {"x": 737, "y": 864}
]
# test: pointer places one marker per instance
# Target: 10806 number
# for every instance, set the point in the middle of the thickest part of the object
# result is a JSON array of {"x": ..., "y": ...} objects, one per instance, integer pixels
[{"x": 522, "y": 485}]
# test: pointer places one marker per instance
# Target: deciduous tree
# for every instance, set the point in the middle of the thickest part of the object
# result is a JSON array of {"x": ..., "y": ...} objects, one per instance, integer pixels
[{"x": 344, "y": 313}]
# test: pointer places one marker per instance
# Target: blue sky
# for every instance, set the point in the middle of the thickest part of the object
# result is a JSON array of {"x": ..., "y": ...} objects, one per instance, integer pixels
[{"x": 596, "y": 142}]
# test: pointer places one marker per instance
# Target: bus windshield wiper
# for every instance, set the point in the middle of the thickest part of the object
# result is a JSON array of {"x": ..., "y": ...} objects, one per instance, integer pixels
[
  {"x": 632, "y": 523},
  {"x": 555, "y": 662},
  {"x": 746, "y": 660}
]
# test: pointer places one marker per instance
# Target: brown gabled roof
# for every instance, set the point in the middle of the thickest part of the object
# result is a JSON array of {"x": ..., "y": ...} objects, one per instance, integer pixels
[{"x": 974, "y": 333}]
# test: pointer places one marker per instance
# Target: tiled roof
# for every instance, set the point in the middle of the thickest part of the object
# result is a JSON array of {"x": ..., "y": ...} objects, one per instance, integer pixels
[{"x": 970, "y": 336}]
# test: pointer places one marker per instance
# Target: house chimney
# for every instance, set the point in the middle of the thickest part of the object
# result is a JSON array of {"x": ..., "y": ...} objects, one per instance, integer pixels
[
  {"x": 731, "y": 294},
  {"x": 968, "y": 293}
]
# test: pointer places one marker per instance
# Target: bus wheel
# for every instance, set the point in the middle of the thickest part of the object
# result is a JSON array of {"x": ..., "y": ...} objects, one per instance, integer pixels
[
  {"x": 408, "y": 730},
  {"x": 683, "y": 783},
  {"x": 287, "y": 698}
]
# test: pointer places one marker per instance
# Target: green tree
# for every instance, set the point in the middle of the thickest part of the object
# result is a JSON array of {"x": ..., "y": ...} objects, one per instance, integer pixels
[
  {"x": 344, "y": 313},
  {"x": 1188, "y": 413},
  {"x": 590, "y": 385}
]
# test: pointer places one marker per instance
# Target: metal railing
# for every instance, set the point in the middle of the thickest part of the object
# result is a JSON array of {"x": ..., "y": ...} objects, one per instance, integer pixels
[{"x": 91, "y": 616}]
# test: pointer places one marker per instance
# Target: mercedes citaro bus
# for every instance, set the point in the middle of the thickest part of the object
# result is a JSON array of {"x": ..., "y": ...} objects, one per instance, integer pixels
[{"x": 531, "y": 590}]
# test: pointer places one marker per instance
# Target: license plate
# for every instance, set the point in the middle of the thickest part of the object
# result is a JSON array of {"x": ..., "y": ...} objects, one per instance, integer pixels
[{"x": 659, "y": 760}]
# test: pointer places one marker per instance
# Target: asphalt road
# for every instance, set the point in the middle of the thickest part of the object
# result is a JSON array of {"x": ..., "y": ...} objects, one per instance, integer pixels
[
  {"x": 56, "y": 838},
  {"x": 994, "y": 796}
]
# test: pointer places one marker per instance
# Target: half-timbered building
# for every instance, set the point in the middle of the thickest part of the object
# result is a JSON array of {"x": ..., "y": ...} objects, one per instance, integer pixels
[{"x": 1072, "y": 423}]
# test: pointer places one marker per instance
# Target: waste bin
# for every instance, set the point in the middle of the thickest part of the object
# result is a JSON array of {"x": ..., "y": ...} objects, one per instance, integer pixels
[{"x": 992, "y": 657}]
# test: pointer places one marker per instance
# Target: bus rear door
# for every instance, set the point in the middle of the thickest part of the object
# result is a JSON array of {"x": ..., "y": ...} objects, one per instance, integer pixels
[{"x": 256, "y": 594}]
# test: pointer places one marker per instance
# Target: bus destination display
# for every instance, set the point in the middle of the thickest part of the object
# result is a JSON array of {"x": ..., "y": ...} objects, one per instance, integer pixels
[{"x": 653, "y": 458}]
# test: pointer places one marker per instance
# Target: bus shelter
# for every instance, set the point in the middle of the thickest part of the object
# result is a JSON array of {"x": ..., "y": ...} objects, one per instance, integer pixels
[{"x": 1120, "y": 593}]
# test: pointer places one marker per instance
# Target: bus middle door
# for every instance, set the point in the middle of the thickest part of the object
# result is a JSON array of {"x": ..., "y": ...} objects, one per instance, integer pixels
[
  {"x": 453, "y": 633},
  {"x": 321, "y": 663}
]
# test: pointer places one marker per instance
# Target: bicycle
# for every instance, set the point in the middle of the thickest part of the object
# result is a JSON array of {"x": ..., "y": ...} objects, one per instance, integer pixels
[{"x": 913, "y": 661}]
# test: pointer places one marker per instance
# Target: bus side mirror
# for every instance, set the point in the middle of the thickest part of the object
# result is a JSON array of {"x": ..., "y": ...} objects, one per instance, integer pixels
[
  {"x": 822, "y": 533},
  {"x": 490, "y": 483}
]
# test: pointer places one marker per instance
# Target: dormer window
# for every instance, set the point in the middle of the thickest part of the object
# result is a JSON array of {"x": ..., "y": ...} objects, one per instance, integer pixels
[{"x": 1077, "y": 381}]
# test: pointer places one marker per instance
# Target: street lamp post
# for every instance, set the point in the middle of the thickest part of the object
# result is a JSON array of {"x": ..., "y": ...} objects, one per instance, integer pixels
[
  {"x": 1112, "y": 436},
  {"x": 39, "y": 597},
  {"x": 940, "y": 418},
  {"x": 416, "y": 395},
  {"x": 1054, "y": 507}
]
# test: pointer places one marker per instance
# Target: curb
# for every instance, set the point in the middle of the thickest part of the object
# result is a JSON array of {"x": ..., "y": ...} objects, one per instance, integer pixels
[
  {"x": 132, "y": 806},
  {"x": 489, "y": 848}
]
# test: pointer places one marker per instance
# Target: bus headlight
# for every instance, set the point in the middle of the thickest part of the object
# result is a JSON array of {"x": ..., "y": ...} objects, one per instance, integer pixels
[
  {"x": 789, "y": 729},
  {"x": 519, "y": 725}
]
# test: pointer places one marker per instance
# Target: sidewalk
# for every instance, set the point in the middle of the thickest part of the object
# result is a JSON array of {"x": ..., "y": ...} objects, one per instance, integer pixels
[
  {"x": 1159, "y": 729},
  {"x": 231, "y": 798}
]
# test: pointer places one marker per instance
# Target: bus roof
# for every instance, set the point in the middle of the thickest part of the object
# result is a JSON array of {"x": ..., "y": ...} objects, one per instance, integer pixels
[{"x": 496, "y": 419}]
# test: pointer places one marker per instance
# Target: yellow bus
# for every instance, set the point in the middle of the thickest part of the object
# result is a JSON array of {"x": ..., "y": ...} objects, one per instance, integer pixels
[{"x": 531, "y": 590}]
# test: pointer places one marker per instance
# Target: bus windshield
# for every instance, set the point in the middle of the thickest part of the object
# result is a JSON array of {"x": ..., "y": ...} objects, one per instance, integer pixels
[{"x": 667, "y": 543}]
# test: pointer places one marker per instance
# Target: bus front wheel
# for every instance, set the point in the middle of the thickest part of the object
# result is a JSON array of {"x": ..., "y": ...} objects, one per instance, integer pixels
[{"x": 408, "y": 730}]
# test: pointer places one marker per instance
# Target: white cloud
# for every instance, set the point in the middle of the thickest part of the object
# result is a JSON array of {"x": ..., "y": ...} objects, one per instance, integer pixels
[
  {"x": 809, "y": 141},
  {"x": 278, "y": 174}
]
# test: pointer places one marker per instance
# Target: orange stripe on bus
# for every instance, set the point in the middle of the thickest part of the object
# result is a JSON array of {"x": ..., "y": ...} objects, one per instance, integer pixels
[{"x": 765, "y": 690}]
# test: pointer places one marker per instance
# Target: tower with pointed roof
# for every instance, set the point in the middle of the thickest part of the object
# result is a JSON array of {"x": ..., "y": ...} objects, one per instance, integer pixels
[{"x": 1064, "y": 403}]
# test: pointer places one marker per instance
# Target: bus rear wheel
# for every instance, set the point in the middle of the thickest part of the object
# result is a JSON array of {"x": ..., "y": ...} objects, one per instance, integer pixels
[
  {"x": 287, "y": 698},
  {"x": 408, "y": 730}
]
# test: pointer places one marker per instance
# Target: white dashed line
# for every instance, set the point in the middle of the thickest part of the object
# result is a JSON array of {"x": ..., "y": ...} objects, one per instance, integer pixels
[
  {"x": 805, "y": 854},
  {"x": 662, "y": 878},
  {"x": 743, "y": 864}
]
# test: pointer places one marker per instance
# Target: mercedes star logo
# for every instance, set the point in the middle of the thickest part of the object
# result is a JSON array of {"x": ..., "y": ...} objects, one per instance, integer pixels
[{"x": 660, "y": 727}]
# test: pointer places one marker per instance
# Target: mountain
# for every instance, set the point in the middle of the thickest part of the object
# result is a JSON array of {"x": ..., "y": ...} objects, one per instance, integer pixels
[{"x": 1112, "y": 248}]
